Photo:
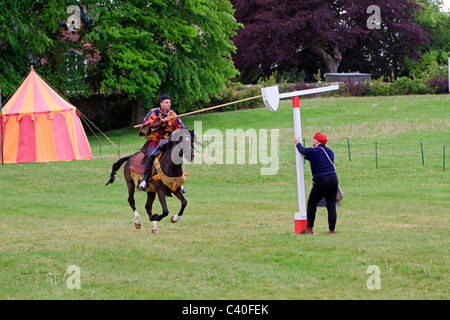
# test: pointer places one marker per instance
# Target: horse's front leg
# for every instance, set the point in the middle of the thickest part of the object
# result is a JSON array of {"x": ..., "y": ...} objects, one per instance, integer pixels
[
  {"x": 180, "y": 196},
  {"x": 162, "y": 199},
  {"x": 148, "y": 208}
]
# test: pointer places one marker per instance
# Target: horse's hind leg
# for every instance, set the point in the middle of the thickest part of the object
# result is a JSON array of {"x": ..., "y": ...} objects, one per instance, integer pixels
[
  {"x": 180, "y": 196},
  {"x": 137, "y": 217}
]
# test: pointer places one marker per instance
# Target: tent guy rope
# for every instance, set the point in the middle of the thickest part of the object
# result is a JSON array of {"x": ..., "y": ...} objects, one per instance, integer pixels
[{"x": 86, "y": 119}]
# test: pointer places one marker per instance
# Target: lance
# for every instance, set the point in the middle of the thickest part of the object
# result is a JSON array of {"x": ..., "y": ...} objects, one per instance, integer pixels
[{"x": 207, "y": 109}]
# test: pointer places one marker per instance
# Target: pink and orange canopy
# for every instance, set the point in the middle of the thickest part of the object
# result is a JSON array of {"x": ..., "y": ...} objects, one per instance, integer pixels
[{"x": 41, "y": 126}]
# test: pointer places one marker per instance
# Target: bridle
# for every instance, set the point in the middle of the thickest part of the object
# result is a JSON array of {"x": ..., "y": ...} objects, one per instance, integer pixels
[{"x": 189, "y": 149}]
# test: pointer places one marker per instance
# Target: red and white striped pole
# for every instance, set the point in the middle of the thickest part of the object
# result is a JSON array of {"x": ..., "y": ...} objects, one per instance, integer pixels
[
  {"x": 300, "y": 216},
  {"x": 271, "y": 98}
]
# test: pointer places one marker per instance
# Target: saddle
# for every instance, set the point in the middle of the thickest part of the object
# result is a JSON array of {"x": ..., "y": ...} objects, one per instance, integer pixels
[
  {"x": 137, "y": 168},
  {"x": 138, "y": 163},
  {"x": 137, "y": 173}
]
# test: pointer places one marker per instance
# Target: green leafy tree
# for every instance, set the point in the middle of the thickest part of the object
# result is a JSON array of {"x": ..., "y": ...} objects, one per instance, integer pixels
[
  {"x": 433, "y": 55},
  {"x": 27, "y": 34},
  {"x": 181, "y": 48},
  {"x": 141, "y": 48}
]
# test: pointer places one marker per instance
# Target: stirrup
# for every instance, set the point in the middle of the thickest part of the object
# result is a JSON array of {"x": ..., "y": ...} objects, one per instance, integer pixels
[{"x": 143, "y": 185}]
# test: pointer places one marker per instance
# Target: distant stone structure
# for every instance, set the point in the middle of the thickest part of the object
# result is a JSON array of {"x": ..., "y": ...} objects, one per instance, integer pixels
[{"x": 348, "y": 77}]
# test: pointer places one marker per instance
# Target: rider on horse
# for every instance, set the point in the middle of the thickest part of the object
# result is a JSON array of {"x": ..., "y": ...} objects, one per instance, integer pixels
[{"x": 158, "y": 125}]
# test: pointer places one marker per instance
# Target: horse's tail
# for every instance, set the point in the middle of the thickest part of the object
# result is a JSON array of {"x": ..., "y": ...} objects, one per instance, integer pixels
[{"x": 116, "y": 166}]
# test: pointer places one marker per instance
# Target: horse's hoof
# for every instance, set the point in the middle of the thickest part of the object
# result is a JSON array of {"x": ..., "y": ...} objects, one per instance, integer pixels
[
  {"x": 155, "y": 229},
  {"x": 137, "y": 222},
  {"x": 174, "y": 219}
]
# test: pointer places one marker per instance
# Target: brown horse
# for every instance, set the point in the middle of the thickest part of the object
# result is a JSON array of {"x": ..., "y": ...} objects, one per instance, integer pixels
[{"x": 181, "y": 145}]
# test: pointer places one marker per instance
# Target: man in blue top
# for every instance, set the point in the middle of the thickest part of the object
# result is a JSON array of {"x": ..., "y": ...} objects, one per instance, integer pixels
[{"x": 325, "y": 181}]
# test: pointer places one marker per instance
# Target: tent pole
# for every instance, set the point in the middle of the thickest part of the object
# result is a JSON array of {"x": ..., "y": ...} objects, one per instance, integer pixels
[
  {"x": 1, "y": 125},
  {"x": 1, "y": 132}
]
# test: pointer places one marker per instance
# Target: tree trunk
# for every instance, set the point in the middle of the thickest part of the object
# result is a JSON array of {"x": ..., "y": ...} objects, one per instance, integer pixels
[
  {"x": 137, "y": 112},
  {"x": 331, "y": 62}
]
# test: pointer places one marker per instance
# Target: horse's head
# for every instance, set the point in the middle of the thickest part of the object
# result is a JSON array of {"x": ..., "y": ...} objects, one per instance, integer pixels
[{"x": 183, "y": 140}]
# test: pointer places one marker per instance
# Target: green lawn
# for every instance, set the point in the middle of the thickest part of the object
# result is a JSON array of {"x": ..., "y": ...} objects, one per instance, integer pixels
[{"x": 235, "y": 240}]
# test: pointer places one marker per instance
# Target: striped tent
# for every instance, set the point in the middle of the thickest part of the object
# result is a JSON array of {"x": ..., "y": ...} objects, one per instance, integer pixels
[{"x": 39, "y": 125}]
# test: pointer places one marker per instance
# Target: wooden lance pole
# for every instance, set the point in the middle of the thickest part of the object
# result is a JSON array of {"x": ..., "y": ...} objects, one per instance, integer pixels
[{"x": 207, "y": 109}]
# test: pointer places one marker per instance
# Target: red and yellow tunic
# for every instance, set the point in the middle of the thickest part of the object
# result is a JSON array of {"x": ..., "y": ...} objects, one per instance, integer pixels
[{"x": 155, "y": 129}]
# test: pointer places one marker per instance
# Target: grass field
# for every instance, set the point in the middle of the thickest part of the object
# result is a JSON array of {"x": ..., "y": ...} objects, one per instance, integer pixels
[{"x": 235, "y": 240}]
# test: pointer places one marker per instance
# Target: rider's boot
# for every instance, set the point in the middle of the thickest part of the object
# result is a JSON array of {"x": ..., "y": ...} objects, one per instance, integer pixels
[
  {"x": 147, "y": 172},
  {"x": 152, "y": 153}
]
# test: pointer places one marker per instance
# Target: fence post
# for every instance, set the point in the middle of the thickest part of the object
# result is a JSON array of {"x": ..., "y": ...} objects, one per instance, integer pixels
[
  {"x": 348, "y": 147},
  {"x": 421, "y": 149},
  {"x": 376, "y": 156},
  {"x": 304, "y": 142}
]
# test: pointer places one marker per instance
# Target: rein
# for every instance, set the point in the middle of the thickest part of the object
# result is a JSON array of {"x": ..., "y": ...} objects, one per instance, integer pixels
[{"x": 177, "y": 143}]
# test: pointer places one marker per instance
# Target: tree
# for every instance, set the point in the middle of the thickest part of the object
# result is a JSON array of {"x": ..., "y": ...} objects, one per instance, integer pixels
[
  {"x": 280, "y": 35},
  {"x": 143, "y": 48},
  {"x": 182, "y": 48},
  {"x": 434, "y": 54},
  {"x": 27, "y": 34}
]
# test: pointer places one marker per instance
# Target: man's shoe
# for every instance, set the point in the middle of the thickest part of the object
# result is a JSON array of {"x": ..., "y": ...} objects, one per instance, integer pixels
[
  {"x": 182, "y": 190},
  {"x": 143, "y": 186}
]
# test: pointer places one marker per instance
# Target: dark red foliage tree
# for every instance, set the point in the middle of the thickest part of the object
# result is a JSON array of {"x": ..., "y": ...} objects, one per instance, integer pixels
[{"x": 286, "y": 35}]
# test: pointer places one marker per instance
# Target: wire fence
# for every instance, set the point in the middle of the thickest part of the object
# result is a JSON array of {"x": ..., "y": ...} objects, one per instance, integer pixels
[
  {"x": 387, "y": 154},
  {"x": 102, "y": 147},
  {"x": 368, "y": 154}
]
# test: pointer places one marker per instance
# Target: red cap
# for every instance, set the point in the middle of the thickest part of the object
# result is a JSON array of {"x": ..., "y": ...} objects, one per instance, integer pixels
[{"x": 321, "y": 138}]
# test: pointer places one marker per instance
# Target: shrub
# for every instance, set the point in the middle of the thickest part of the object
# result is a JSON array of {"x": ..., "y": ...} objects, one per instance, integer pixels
[
  {"x": 438, "y": 84},
  {"x": 401, "y": 86},
  {"x": 405, "y": 85},
  {"x": 302, "y": 86},
  {"x": 377, "y": 87},
  {"x": 418, "y": 87},
  {"x": 357, "y": 89},
  {"x": 380, "y": 88},
  {"x": 235, "y": 92}
]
